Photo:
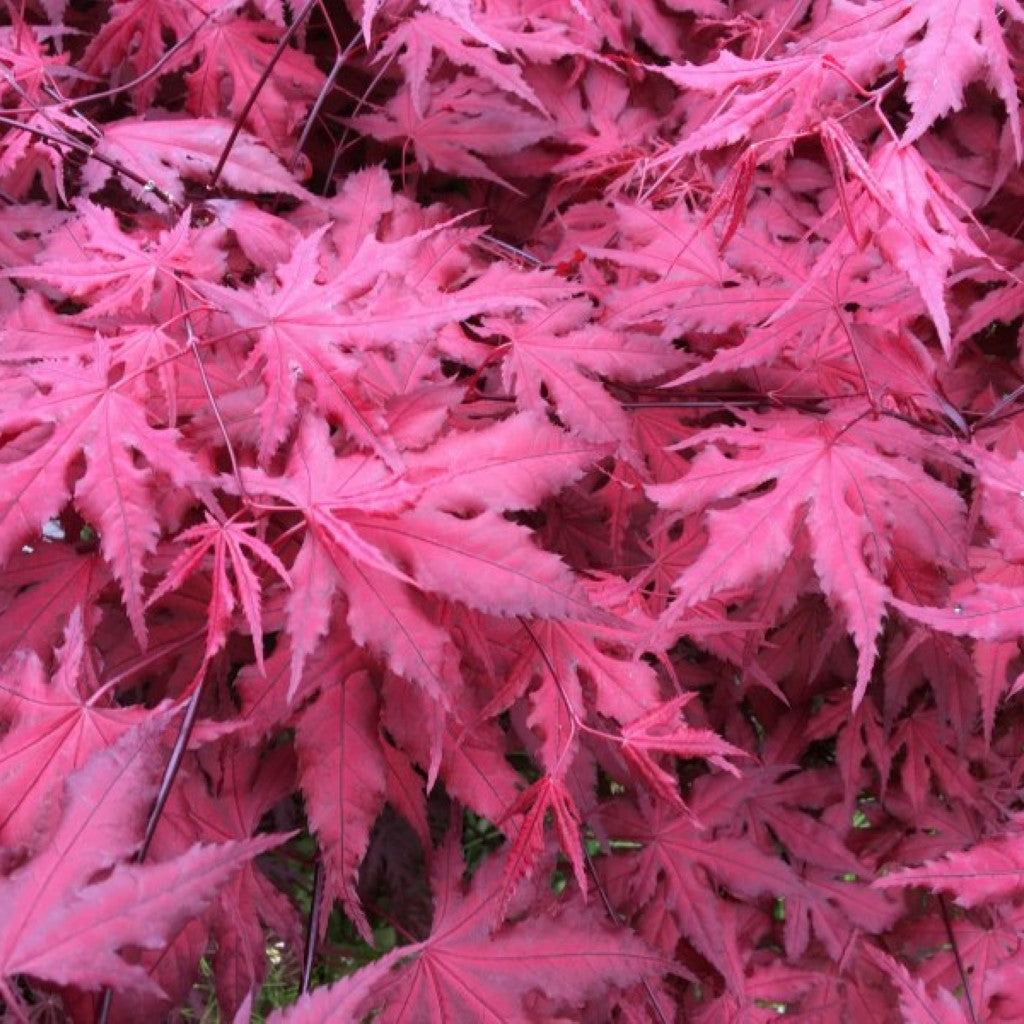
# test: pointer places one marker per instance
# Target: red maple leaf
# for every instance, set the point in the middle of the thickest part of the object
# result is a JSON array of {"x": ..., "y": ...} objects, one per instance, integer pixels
[
  {"x": 464, "y": 971},
  {"x": 71, "y": 915}
]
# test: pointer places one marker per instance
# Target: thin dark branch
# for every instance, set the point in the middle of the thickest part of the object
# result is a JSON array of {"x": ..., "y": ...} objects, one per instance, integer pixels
[
  {"x": 339, "y": 63},
  {"x": 210, "y": 397},
  {"x": 163, "y": 794},
  {"x": 254, "y": 95},
  {"x": 617, "y": 921},
  {"x": 965, "y": 980},
  {"x": 998, "y": 411},
  {"x": 173, "y": 764},
  {"x": 312, "y": 926},
  {"x": 89, "y": 152}
]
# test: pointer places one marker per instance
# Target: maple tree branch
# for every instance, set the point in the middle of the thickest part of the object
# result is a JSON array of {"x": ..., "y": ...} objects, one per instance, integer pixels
[
  {"x": 162, "y": 796},
  {"x": 553, "y": 672},
  {"x": 965, "y": 979},
  {"x": 150, "y": 72},
  {"x": 321, "y": 99},
  {"x": 312, "y": 926},
  {"x": 210, "y": 397},
  {"x": 174, "y": 762},
  {"x": 998, "y": 411},
  {"x": 106, "y": 1002},
  {"x": 361, "y": 101},
  {"x": 13, "y": 1002},
  {"x": 31, "y": 106},
  {"x": 88, "y": 151},
  {"x": 254, "y": 93},
  {"x": 616, "y": 920},
  {"x": 507, "y": 249}
]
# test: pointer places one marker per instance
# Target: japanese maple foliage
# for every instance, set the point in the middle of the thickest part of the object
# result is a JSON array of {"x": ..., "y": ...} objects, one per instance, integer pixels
[{"x": 512, "y": 510}]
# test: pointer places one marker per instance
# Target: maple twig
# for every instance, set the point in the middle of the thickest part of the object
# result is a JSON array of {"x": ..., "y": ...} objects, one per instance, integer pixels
[
  {"x": 693, "y": 403},
  {"x": 150, "y": 657},
  {"x": 174, "y": 762},
  {"x": 106, "y": 1001},
  {"x": 12, "y": 1002},
  {"x": 321, "y": 99},
  {"x": 574, "y": 717},
  {"x": 86, "y": 150},
  {"x": 190, "y": 336},
  {"x": 961, "y": 969},
  {"x": 254, "y": 93},
  {"x": 66, "y": 102},
  {"x": 150, "y": 72},
  {"x": 162, "y": 796},
  {"x": 618, "y": 922},
  {"x": 784, "y": 26},
  {"x": 312, "y": 926},
  {"x": 32, "y": 107},
  {"x": 929, "y": 428},
  {"x": 512, "y": 250},
  {"x": 360, "y": 103},
  {"x": 996, "y": 412}
]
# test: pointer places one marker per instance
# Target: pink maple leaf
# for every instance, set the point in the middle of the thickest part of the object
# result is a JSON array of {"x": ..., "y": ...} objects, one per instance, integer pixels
[{"x": 77, "y": 410}]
